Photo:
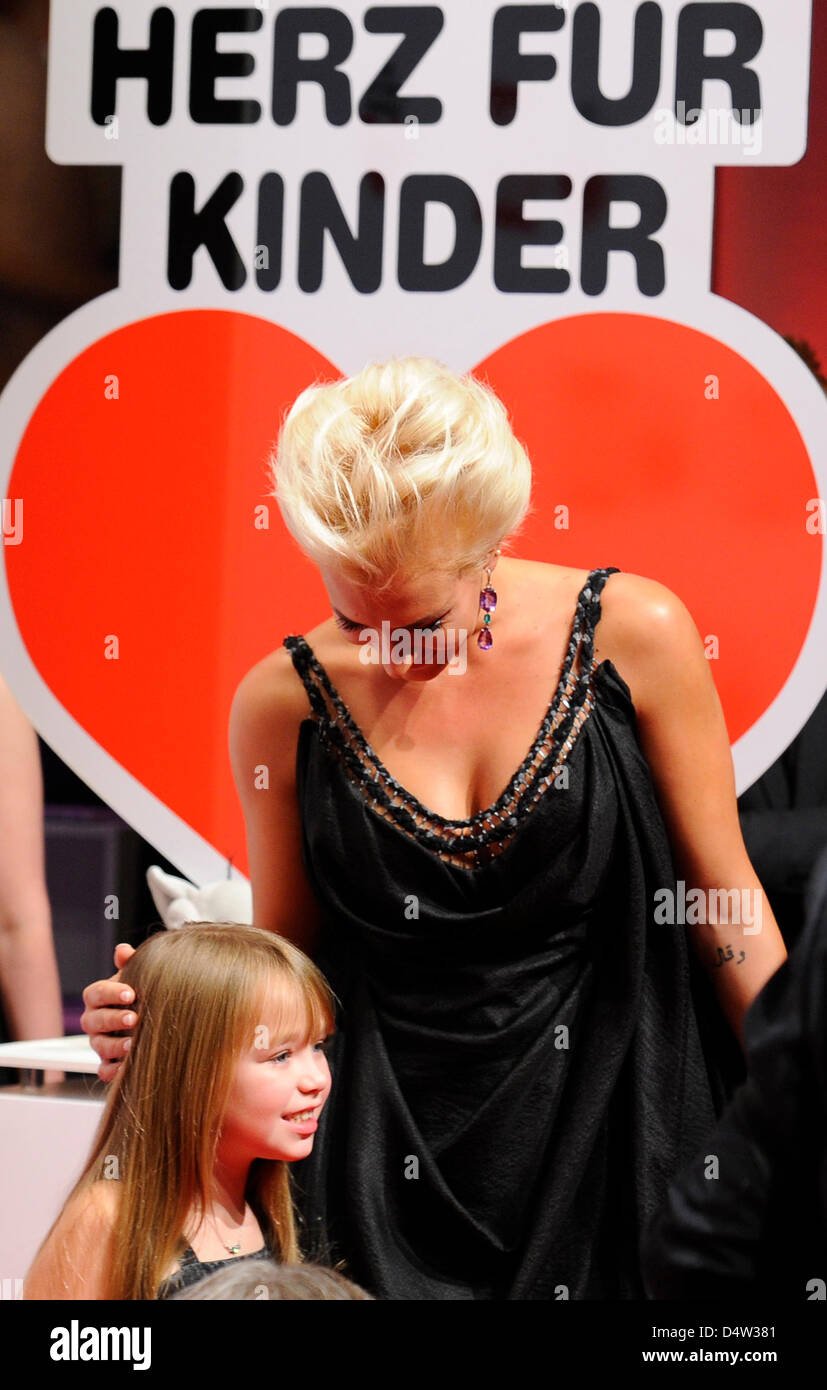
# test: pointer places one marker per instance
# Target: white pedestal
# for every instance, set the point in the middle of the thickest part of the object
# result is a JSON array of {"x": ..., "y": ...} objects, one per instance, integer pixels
[{"x": 46, "y": 1134}]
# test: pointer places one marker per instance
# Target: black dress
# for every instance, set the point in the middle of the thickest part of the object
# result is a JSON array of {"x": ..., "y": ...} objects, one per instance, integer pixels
[
  {"x": 521, "y": 1065},
  {"x": 193, "y": 1270}
]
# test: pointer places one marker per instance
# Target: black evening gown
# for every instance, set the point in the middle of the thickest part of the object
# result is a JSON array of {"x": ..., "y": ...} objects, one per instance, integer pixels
[{"x": 524, "y": 1058}]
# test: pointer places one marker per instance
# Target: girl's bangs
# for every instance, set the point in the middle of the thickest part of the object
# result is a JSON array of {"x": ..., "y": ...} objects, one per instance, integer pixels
[{"x": 290, "y": 1008}]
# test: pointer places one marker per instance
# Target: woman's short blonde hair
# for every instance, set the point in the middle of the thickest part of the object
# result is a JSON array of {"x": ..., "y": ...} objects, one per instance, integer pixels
[{"x": 403, "y": 468}]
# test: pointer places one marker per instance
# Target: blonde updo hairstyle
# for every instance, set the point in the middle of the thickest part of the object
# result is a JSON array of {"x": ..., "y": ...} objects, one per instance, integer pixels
[{"x": 371, "y": 473}]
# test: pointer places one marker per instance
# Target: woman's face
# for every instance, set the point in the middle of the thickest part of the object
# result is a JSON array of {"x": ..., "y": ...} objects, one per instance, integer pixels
[
  {"x": 429, "y": 621},
  {"x": 279, "y": 1089}
]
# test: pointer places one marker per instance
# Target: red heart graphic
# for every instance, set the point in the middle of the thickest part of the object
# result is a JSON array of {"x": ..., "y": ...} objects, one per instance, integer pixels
[{"x": 140, "y": 519}]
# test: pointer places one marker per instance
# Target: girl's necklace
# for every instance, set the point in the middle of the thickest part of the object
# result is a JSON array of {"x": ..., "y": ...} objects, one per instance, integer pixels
[{"x": 233, "y": 1249}]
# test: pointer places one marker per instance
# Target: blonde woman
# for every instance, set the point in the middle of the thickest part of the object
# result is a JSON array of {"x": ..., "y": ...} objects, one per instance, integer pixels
[
  {"x": 472, "y": 827},
  {"x": 222, "y": 1089}
]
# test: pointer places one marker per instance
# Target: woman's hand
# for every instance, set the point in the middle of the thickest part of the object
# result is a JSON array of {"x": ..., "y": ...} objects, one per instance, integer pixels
[{"x": 106, "y": 1011}]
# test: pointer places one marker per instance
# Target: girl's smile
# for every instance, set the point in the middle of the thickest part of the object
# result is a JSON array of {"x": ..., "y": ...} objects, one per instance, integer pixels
[{"x": 304, "y": 1121}]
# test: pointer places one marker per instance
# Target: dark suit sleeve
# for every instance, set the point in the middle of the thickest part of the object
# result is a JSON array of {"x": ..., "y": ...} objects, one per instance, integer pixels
[
  {"x": 736, "y": 1220},
  {"x": 707, "y": 1239},
  {"x": 784, "y": 845}
]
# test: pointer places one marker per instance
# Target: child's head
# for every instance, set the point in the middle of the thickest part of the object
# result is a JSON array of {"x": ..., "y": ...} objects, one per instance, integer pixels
[
  {"x": 232, "y": 1023},
  {"x": 263, "y": 1279},
  {"x": 227, "y": 1047}
]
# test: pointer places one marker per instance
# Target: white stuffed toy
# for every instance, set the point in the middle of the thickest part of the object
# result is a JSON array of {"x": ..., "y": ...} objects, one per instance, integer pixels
[{"x": 179, "y": 902}]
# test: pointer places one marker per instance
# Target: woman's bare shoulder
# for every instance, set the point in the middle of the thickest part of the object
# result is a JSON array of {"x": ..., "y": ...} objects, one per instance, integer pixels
[
  {"x": 547, "y": 579},
  {"x": 631, "y": 596},
  {"x": 547, "y": 594},
  {"x": 640, "y": 618},
  {"x": 271, "y": 690},
  {"x": 266, "y": 713},
  {"x": 639, "y": 612},
  {"x": 649, "y": 636}
]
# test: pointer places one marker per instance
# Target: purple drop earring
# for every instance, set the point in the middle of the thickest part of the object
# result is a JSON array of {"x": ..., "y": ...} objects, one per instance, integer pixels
[{"x": 488, "y": 603}]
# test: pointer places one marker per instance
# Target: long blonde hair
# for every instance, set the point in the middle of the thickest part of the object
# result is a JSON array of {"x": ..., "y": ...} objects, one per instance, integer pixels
[
  {"x": 199, "y": 994},
  {"x": 369, "y": 470}
]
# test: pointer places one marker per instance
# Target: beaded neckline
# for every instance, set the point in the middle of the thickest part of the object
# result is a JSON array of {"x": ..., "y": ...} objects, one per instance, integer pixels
[{"x": 486, "y": 832}]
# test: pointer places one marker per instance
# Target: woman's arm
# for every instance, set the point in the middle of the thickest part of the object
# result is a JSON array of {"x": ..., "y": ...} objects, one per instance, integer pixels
[
  {"x": 76, "y": 1260},
  {"x": 267, "y": 710},
  {"x": 29, "y": 983},
  {"x": 650, "y": 636}
]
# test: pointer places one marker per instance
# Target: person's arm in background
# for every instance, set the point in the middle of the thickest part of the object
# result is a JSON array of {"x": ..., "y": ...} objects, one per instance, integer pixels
[
  {"x": 784, "y": 846},
  {"x": 746, "y": 1217},
  {"x": 705, "y": 1242},
  {"x": 29, "y": 981},
  {"x": 784, "y": 820}
]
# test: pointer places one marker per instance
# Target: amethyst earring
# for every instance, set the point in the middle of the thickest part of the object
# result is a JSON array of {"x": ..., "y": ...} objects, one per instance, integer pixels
[{"x": 488, "y": 602}]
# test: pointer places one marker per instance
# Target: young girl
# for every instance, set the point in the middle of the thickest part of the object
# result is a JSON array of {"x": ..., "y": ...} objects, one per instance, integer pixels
[{"x": 222, "y": 1089}]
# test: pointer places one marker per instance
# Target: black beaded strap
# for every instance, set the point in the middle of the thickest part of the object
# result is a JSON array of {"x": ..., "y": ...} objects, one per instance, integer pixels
[{"x": 483, "y": 835}]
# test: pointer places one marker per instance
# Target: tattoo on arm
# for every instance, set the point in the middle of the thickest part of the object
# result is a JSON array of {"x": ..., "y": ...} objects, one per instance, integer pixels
[{"x": 726, "y": 954}]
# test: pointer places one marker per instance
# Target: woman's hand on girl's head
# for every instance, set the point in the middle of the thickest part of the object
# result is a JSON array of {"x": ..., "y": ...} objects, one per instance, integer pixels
[{"x": 107, "y": 1010}]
